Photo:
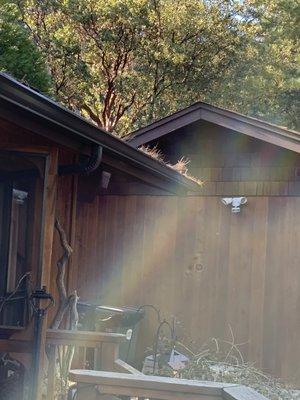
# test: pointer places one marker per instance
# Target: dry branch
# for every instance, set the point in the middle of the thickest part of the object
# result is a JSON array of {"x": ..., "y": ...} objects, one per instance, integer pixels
[
  {"x": 60, "y": 277},
  {"x": 66, "y": 304},
  {"x": 73, "y": 322}
]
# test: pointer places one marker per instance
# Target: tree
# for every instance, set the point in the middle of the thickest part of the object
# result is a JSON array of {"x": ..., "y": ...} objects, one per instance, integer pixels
[
  {"x": 124, "y": 63},
  {"x": 264, "y": 83},
  {"x": 18, "y": 54}
]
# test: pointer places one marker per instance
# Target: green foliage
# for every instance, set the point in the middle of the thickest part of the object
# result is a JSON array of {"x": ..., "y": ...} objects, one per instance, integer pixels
[
  {"x": 265, "y": 82},
  {"x": 18, "y": 54},
  {"x": 125, "y": 63}
]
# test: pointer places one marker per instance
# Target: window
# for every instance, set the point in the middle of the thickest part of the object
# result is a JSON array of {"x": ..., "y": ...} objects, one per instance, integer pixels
[
  {"x": 20, "y": 222},
  {"x": 14, "y": 216}
]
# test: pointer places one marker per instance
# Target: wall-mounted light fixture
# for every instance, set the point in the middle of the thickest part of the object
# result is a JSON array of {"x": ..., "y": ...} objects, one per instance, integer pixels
[{"x": 235, "y": 203}]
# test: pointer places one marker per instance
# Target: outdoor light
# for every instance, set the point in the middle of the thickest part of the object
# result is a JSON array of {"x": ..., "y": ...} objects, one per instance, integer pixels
[
  {"x": 235, "y": 202},
  {"x": 19, "y": 196}
]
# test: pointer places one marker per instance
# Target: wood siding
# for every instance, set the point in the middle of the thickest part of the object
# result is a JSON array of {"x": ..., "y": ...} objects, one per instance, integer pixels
[
  {"x": 191, "y": 257},
  {"x": 195, "y": 260},
  {"x": 231, "y": 163}
]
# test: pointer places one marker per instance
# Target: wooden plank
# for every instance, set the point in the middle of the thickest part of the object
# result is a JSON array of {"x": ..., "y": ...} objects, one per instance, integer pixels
[
  {"x": 259, "y": 214},
  {"x": 109, "y": 353},
  {"x": 290, "y": 317},
  {"x": 241, "y": 393},
  {"x": 154, "y": 394},
  {"x": 82, "y": 338},
  {"x": 51, "y": 373},
  {"x": 85, "y": 392},
  {"x": 122, "y": 366},
  {"x": 276, "y": 257},
  {"x": 219, "y": 245},
  {"x": 81, "y": 357},
  {"x": 147, "y": 382},
  {"x": 243, "y": 174}
]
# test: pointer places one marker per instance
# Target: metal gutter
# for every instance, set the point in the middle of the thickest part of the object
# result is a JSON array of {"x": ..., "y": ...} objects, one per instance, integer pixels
[{"x": 41, "y": 107}]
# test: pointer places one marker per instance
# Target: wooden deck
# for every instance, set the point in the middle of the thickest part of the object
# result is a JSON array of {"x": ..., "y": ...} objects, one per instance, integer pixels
[{"x": 98, "y": 385}]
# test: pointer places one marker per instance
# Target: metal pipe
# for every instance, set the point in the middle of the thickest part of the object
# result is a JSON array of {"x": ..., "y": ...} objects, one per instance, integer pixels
[
  {"x": 85, "y": 167},
  {"x": 40, "y": 313}
]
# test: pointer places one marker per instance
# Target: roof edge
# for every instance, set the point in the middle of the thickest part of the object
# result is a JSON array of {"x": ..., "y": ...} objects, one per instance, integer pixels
[
  {"x": 248, "y": 125},
  {"x": 40, "y": 106}
]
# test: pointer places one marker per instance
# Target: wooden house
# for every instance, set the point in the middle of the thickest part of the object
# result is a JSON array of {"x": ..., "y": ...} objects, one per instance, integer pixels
[
  {"x": 54, "y": 164},
  {"x": 141, "y": 233},
  {"x": 228, "y": 270}
]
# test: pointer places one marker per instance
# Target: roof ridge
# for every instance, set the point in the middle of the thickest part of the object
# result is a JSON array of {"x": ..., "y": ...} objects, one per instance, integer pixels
[
  {"x": 199, "y": 105},
  {"x": 233, "y": 120}
]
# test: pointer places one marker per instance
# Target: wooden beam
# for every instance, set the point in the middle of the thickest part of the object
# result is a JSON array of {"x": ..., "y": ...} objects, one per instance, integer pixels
[
  {"x": 153, "y": 393},
  {"x": 82, "y": 338},
  {"x": 15, "y": 346},
  {"x": 145, "y": 382},
  {"x": 109, "y": 354},
  {"x": 241, "y": 393},
  {"x": 122, "y": 366},
  {"x": 111, "y": 383},
  {"x": 44, "y": 272}
]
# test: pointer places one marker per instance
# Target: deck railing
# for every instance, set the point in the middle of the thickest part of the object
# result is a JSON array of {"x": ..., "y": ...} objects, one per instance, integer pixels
[
  {"x": 100, "y": 349},
  {"x": 103, "y": 385},
  {"x": 117, "y": 378}
]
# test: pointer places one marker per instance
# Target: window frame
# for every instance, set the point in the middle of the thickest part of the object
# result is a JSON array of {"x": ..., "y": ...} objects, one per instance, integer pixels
[{"x": 37, "y": 181}]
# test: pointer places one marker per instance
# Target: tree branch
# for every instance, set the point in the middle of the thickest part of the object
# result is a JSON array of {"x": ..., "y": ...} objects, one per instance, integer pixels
[{"x": 61, "y": 269}]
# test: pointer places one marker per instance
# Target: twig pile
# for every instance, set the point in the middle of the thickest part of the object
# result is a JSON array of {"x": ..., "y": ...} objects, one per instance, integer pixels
[
  {"x": 181, "y": 166},
  {"x": 222, "y": 361}
]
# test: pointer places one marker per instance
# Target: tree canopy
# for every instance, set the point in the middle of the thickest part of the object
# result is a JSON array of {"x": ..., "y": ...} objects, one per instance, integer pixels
[
  {"x": 265, "y": 83},
  {"x": 125, "y": 63},
  {"x": 19, "y": 55}
]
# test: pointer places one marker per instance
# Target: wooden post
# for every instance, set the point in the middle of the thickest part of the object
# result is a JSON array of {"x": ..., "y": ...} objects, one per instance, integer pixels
[
  {"x": 49, "y": 206},
  {"x": 85, "y": 392},
  {"x": 51, "y": 373},
  {"x": 109, "y": 354},
  {"x": 91, "y": 392}
]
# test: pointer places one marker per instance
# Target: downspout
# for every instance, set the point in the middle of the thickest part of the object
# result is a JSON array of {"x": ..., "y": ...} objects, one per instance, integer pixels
[{"x": 84, "y": 167}]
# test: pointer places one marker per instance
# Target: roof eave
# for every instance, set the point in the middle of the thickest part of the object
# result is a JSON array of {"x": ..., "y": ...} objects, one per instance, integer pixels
[
  {"x": 41, "y": 107},
  {"x": 253, "y": 127}
]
